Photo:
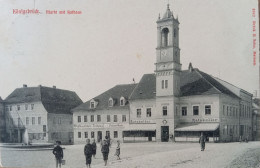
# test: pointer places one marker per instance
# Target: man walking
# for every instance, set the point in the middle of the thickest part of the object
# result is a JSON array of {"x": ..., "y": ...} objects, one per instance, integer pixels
[
  {"x": 88, "y": 153},
  {"x": 105, "y": 150},
  {"x": 58, "y": 152},
  {"x": 202, "y": 141}
]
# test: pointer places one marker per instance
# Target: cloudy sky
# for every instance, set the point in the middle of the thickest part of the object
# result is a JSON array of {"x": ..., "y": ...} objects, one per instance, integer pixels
[{"x": 113, "y": 41}]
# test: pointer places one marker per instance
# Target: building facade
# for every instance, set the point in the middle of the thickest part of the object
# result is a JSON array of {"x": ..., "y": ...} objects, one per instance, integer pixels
[
  {"x": 172, "y": 104},
  {"x": 2, "y": 121},
  {"x": 40, "y": 114}
]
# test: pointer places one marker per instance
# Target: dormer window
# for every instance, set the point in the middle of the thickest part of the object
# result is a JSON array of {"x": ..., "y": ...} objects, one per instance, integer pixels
[
  {"x": 110, "y": 102},
  {"x": 93, "y": 104},
  {"x": 122, "y": 101}
]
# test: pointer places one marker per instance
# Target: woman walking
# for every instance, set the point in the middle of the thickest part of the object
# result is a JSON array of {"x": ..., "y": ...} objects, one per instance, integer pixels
[
  {"x": 118, "y": 150},
  {"x": 105, "y": 150},
  {"x": 94, "y": 148},
  {"x": 88, "y": 153}
]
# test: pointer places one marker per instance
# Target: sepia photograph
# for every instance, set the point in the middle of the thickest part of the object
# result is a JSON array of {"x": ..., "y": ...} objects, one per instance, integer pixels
[{"x": 129, "y": 84}]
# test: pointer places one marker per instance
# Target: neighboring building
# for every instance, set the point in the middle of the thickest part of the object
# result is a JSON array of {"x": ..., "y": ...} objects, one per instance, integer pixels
[
  {"x": 43, "y": 112},
  {"x": 2, "y": 121},
  {"x": 104, "y": 115},
  {"x": 174, "y": 104},
  {"x": 256, "y": 119}
]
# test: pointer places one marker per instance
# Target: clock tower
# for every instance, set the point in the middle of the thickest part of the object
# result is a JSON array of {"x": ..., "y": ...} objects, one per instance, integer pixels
[{"x": 167, "y": 70}]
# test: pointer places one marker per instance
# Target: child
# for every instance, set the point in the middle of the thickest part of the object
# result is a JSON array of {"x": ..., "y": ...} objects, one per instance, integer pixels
[
  {"x": 105, "y": 150},
  {"x": 118, "y": 150}
]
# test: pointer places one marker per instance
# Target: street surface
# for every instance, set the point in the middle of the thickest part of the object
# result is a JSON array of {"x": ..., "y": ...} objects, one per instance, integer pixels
[{"x": 138, "y": 155}]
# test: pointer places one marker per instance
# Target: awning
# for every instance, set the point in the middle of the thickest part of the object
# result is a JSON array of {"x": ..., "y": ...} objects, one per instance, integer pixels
[
  {"x": 198, "y": 127},
  {"x": 140, "y": 127}
]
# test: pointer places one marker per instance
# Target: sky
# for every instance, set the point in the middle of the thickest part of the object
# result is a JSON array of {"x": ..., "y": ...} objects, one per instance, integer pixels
[{"x": 114, "y": 41}]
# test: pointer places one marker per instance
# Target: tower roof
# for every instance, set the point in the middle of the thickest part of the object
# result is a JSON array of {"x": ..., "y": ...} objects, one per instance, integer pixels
[{"x": 168, "y": 13}]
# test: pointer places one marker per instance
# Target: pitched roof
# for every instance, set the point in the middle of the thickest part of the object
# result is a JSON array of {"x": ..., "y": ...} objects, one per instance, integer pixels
[
  {"x": 146, "y": 89},
  {"x": 116, "y": 93},
  {"x": 193, "y": 82},
  {"x": 54, "y": 100}
]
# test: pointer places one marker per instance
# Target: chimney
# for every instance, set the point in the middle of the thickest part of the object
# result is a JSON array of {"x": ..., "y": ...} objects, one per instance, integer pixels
[
  {"x": 54, "y": 87},
  {"x": 24, "y": 86}
]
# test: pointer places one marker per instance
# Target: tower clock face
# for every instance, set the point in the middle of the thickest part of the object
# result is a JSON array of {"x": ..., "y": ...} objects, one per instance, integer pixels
[{"x": 164, "y": 53}]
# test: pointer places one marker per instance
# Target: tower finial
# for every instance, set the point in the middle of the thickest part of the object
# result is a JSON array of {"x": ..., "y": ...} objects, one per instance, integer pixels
[{"x": 159, "y": 17}]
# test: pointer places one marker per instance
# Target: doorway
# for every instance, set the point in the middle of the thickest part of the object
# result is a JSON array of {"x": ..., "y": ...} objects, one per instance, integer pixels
[
  {"x": 99, "y": 136},
  {"x": 164, "y": 133}
]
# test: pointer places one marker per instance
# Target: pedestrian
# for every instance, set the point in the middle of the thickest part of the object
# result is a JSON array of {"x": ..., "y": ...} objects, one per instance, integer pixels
[
  {"x": 105, "y": 150},
  {"x": 202, "y": 142},
  {"x": 94, "y": 148},
  {"x": 118, "y": 150},
  {"x": 58, "y": 152},
  {"x": 88, "y": 153}
]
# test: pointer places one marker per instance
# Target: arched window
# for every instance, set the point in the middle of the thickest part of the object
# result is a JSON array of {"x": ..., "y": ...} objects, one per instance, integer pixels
[
  {"x": 165, "y": 37},
  {"x": 110, "y": 102}
]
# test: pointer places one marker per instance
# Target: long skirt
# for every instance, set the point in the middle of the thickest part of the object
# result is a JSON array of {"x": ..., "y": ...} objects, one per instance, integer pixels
[
  {"x": 88, "y": 159},
  {"x": 105, "y": 155}
]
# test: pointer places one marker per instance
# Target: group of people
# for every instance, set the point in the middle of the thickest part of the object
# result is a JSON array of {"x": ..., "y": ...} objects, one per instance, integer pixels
[{"x": 89, "y": 151}]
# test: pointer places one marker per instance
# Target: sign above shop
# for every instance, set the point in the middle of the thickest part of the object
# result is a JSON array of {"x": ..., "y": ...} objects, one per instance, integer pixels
[
  {"x": 141, "y": 121},
  {"x": 205, "y": 120},
  {"x": 98, "y": 125}
]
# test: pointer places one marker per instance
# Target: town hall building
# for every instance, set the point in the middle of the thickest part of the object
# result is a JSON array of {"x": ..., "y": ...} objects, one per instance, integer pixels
[{"x": 170, "y": 104}]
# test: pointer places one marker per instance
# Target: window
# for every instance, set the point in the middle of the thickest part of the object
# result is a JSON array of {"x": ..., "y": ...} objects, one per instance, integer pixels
[
  {"x": 59, "y": 120},
  {"x": 18, "y": 108},
  {"x": 195, "y": 110},
  {"x": 108, "y": 134},
  {"x": 110, "y": 102},
  {"x": 227, "y": 110},
  {"x": 174, "y": 33},
  {"x": 32, "y": 106},
  {"x": 92, "y": 134},
  {"x": 27, "y": 120},
  {"x": 223, "y": 109},
  {"x": 86, "y": 134},
  {"x": 148, "y": 112},
  {"x": 166, "y": 84},
  {"x": 138, "y": 113},
  {"x": 79, "y": 134},
  {"x": 164, "y": 110},
  {"x": 44, "y": 128},
  {"x": 92, "y": 118},
  {"x": 54, "y": 120},
  {"x": 85, "y": 119},
  {"x": 122, "y": 101},
  {"x": 207, "y": 109},
  {"x": 6, "y": 108},
  {"x": 115, "y": 118},
  {"x": 33, "y": 120},
  {"x": 98, "y": 118},
  {"x": 162, "y": 84},
  {"x": 26, "y": 107},
  {"x": 165, "y": 34},
  {"x": 184, "y": 111},
  {"x": 79, "y": 119},
  {"x": 115, "y": 134},
  {"x": 39, "y": 120},
  {"x": 123, "y": 118},
  {"x": 108, "y": 118},
  {"x": 92, "y": 104},
  {"x": 10, "y": 108}
]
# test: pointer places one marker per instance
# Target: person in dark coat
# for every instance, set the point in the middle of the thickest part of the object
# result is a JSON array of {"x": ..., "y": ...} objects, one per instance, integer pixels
[
  {"x": 94, "y": 148},
  {"x": 118, "y": 150},
  {"x": 88, "y": 150},
  {"x": 105, "y": 150},
  {"x": 58, "y": 152},
  {"x": 202, "y": 141}
]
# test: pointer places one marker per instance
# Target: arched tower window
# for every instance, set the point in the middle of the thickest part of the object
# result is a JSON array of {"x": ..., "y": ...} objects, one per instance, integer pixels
[{"x": 165, "y": 37}]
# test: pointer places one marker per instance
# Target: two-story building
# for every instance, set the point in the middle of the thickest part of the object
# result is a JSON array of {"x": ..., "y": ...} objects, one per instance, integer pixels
[{"x": 40, "y": 114}]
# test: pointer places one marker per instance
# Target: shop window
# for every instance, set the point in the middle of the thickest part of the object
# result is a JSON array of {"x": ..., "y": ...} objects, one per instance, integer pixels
[
  {"x": 184, "y": 111},
  {"x": 108, "y": 134},
  {"x": 98, "y": 118},
  {"x": 164, "y": 109},
  {"x": 115, "y": 134},
  {"x": 138, "y": 113},
  {"x": 195, "y": 110},
  {"x": 115, "y": 118},
  {"x": 92, "y": 118},
  {"x": 148, "y": 112},
  {"x": 86, "y": 134},
  {"x": 207, "y": 109},
  {"x": 85, "y": 119},
  {"x": 79, "y": 119},
  {"x": 108, "y": 118},
  {"x": 79, "y": 134}
]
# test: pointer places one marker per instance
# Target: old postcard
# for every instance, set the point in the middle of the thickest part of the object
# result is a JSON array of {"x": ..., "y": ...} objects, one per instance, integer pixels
[{"x": 129, "y": 83}]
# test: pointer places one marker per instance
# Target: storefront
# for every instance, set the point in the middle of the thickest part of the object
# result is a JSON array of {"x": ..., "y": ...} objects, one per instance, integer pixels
[{"x": 139, "y": 133}]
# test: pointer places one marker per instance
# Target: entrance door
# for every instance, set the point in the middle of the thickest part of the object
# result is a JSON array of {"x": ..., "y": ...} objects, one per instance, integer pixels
[
  {"x": 165, "y": 133},
  {"x": 99, "y": 136}
]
